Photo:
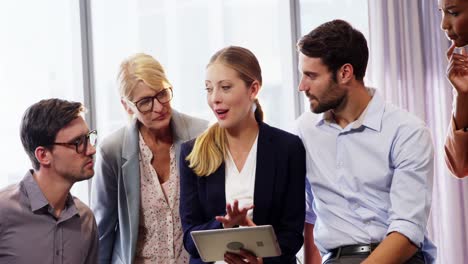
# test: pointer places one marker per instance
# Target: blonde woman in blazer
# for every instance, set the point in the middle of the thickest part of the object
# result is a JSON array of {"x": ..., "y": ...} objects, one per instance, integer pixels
[
  {"x": 137, "y": 164},
  {"x": 241, "y": 164}
]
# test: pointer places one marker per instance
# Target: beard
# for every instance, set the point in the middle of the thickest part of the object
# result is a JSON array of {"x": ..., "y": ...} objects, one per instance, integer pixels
[
  {"x": 331, "y": 99},
  {"x": 74, "y": 173}
]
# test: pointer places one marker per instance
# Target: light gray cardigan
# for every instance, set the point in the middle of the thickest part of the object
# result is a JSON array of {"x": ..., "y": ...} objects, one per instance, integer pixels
[{"x": 115, "y": 192}]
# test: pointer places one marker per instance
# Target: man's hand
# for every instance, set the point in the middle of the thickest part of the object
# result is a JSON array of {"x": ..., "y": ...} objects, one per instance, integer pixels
[
  {"x": 394, "y": 249},
  {"x": 311, "y": 253}
]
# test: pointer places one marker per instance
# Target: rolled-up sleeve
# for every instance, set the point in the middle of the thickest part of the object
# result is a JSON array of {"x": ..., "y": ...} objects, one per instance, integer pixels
[{"x": 411, "y": 187}]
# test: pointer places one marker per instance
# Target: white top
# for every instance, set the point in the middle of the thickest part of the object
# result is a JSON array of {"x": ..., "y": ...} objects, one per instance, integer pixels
[{"x": 240, "y": 184}]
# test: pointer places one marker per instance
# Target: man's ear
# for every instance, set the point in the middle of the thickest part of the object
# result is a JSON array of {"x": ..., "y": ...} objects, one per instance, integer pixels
[
  {"x": 345, "y": 74},
  {"x": 43, "y": 156},
  {"x": 126, "y": 106}
]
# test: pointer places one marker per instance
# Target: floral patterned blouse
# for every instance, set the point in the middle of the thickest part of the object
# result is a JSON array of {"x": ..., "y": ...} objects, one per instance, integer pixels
[{"x": 160, "y": 230}]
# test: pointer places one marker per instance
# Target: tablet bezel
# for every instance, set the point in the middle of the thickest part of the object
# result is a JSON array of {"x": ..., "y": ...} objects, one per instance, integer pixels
[{"x": 212, "y": 244}]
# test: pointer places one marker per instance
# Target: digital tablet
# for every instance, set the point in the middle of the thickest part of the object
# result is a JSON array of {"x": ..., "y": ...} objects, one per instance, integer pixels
[{"x": 212, "y": 244}]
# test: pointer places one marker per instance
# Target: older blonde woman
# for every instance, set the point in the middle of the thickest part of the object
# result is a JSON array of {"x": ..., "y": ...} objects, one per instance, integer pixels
[{"x": 135, "y": 192}]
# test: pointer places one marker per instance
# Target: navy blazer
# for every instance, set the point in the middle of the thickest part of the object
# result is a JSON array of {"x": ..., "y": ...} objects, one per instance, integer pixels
[{"x": 279, "y": 195}]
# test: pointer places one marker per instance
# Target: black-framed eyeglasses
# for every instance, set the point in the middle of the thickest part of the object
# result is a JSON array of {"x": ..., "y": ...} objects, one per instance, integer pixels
[
  {"x": 145, "y": 105},
  {"x": 81, "y": 143}
]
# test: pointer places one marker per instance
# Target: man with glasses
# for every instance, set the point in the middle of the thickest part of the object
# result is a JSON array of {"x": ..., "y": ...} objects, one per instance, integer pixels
[{"x": 41, "y": 222}]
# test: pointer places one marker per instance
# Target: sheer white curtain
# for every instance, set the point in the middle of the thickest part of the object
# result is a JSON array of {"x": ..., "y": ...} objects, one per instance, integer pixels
[{"x": 407, "y": 64}]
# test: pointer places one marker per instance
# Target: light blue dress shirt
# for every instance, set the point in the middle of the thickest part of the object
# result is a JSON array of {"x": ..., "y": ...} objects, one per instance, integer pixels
[{"x": 369, "y": 179}]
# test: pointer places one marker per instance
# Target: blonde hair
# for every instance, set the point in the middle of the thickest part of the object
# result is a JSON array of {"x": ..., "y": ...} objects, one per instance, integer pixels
[
  {"x": 210, "y": 148},
  {"x": 140, "y": 68}
]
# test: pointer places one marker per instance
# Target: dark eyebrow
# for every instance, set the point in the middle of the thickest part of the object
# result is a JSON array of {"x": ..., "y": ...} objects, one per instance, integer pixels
[
  {"x": 449, "y": 7},
  {"x": 79, "y": 137},
  {"x": 309, "y": 73}
]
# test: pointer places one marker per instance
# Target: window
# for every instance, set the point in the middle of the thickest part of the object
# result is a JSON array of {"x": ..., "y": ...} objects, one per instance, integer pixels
[
  {"x": 183, "y": 35},
  {"x": 51, "y": 67}
]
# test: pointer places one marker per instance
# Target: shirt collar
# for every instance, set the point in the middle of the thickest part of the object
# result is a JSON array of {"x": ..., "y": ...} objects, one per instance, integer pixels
[
  {"x": 371, "y": 117},
  {"x": 374, "y": 112},
  {"x": 37, "y": 200}
]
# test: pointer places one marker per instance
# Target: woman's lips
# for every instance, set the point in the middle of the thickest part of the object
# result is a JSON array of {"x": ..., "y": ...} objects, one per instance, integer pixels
[
  {"x": 451, "y": 37},
  {"x": 160, "y": 118},
  {"x": 221, "y": 113}
]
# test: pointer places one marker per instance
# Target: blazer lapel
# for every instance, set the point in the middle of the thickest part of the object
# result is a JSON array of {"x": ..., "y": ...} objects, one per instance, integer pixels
[
  {"x": 264, "y": 175},
  {"x": 179, "y": 133},
  {"x": 215, "y": 191},
  {"x": 131, "y": 181}
]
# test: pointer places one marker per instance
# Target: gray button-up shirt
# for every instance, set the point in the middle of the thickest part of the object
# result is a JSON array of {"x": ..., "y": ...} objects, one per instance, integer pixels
[{"x": 30, "y": 233}]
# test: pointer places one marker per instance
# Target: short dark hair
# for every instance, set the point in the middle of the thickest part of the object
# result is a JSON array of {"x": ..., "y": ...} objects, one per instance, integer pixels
[
  {"x": 42, "y": 121},
  {"x": 337, "y": 43}
]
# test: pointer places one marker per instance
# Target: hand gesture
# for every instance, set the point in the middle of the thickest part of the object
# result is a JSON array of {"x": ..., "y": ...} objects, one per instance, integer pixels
[
  {"x": 235, "y": 216},
  {"x": 243, "y": 256},
  {"x": 457, "y": 70}
]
